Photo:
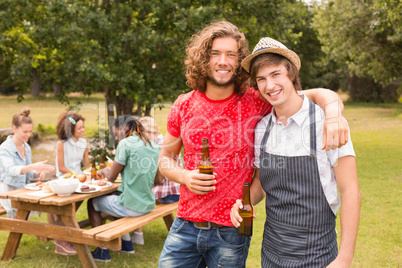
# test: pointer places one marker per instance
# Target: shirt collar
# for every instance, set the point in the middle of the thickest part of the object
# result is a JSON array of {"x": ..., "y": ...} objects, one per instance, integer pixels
[{"x": 298, "y": 117}]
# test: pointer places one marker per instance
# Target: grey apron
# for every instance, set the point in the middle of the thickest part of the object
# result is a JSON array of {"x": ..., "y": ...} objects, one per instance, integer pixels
[{"x": 300, "y": 226}]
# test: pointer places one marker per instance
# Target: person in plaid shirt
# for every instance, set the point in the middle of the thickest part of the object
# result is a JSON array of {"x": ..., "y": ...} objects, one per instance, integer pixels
[{"x": 168, "y": 192}]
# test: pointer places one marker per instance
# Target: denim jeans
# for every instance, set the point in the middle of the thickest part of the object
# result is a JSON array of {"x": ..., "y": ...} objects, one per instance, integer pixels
[
  {"x": 170, "y": 199},
  {"x": 187, "y": 246}
]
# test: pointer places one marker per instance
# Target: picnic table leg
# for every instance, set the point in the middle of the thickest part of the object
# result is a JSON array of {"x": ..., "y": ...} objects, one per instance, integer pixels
[
  {"x": 14, "y": 238},
  {"x": 82, "y": 250},
  {"x": 168, "y": 220}
]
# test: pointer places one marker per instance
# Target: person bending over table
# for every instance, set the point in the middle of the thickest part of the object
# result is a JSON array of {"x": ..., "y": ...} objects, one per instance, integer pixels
[
  {"x": 169, "y": 191},
  {"x": 137, "y": 161}
]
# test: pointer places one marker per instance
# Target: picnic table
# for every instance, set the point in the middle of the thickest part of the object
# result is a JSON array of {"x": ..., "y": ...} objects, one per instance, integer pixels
[{"x": 68, "y": 229}]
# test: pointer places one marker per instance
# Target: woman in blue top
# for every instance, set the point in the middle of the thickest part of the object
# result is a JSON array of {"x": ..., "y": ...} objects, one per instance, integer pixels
[
  {"x": 16, "y": 166},
  {"x": 137, "y": 160}
]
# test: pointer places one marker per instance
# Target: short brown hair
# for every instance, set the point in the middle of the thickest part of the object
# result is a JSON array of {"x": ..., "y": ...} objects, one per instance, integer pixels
[
  {"x": 269, "y": 59},
  {"x": 198, "y": 51},
  {"x": 22, "y": 118}
]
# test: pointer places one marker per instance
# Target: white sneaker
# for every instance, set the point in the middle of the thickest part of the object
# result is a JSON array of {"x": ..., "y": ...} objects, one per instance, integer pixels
[{"x": 137, "y": 238}]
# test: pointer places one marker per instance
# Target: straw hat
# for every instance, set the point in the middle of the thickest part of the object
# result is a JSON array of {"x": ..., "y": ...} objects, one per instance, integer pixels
[{"x": 269, "y": 45}]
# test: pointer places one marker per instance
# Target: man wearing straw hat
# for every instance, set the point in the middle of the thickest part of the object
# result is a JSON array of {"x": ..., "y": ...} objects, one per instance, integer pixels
[
  {"x": 298, "y": 179},
  {"x": 221, "y": 108}
]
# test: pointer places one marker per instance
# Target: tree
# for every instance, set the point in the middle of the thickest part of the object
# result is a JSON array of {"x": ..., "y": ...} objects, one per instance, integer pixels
[
  {"x": 365, "y": 39},
  {"x": 133, "y": 51}
]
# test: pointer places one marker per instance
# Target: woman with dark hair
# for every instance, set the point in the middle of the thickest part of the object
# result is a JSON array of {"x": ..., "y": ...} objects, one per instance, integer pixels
[
  {"x": 72, "y": 148},
  {"x": 137, "y": 161},
  {"x": 16, "y": 166}
]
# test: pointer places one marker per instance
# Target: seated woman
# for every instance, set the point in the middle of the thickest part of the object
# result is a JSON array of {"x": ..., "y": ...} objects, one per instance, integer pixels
[
  {"x": 72, "y": 151},
  {"x": 72, "y": 148},
  {"x": 16, "y": 167},
  {"x": 137, "y": 161}
]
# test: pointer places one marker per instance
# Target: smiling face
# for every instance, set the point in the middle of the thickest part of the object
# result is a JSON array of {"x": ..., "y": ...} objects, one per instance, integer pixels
[
  {"x": 223, "y": 62},
  {"x": 275, "y": 85},
  {"x": 23, "y": 132},
  {"x": 79, "y": 129}
]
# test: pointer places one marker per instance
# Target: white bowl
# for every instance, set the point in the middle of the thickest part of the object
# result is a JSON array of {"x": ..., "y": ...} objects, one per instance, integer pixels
[{"x": 64, "y": 187}]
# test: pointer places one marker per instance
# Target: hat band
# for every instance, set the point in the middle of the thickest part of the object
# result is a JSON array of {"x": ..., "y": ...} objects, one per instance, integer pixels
[{"x": 263, "y": 49}]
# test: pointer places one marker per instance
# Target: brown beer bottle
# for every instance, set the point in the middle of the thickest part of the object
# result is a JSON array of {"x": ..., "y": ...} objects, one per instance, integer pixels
[
  {"x": 246, "y": 226},
  {"x": 93, "y": 170},
  {"x": 102, "y": 164},
  {"x": 205, "y": 165}
]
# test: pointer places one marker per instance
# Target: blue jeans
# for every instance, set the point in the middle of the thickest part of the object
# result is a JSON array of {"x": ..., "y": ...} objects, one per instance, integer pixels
[
  {"x": 187, "y": 246},
  {"x": 169, "y": 199}
]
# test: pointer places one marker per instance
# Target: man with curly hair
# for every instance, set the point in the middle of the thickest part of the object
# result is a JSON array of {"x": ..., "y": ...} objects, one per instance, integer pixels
[{"x": 223, "y": 109}]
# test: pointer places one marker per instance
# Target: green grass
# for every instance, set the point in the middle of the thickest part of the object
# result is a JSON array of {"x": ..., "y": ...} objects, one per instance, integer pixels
[
  {"x": 377, "y": 138},
  {"x": 46, "y": 111}
]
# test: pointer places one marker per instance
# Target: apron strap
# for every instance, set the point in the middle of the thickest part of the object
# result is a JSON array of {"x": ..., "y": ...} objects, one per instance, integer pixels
[
  {"x": 266, "y": 134},
  {"x": 313, "y": 137}
]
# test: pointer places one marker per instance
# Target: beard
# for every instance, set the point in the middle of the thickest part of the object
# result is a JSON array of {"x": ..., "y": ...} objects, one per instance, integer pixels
[{"x": 220, "y": 84}]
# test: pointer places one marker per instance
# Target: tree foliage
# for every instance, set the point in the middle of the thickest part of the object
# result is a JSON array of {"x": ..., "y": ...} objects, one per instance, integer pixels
[
  {"x": 365, "y": 38},
  {"x": 133, "y": 51}
]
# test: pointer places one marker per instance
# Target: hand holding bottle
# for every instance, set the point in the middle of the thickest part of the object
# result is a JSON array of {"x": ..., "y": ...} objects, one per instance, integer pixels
[
  {"x": 242, "y": 213},
  {"x": 199, "y": 183}
]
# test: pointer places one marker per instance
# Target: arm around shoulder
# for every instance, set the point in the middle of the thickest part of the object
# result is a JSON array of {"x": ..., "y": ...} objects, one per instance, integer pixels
[{"x": 335, "y": 128}]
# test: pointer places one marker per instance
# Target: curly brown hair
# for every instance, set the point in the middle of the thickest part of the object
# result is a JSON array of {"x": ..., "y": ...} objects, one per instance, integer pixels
[
  {"x": 198, "y": 51},
  {"x": 66, "y": 126}
]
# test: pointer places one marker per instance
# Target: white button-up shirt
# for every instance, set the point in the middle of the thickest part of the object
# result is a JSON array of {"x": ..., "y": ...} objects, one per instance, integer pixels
[{"x": 294, "y": 140}]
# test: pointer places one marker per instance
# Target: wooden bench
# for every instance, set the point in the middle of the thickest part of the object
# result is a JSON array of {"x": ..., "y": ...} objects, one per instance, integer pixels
[
  {"x": 117, "y": 228},
  {"x": 2, "y": 210}
]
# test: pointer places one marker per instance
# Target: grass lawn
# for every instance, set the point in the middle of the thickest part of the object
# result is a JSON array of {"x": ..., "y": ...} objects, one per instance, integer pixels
[{"x": 377, "y": 138}]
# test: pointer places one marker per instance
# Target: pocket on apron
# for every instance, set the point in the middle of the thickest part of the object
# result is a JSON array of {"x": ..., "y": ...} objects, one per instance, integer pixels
[{"x": 286, "y": 242}]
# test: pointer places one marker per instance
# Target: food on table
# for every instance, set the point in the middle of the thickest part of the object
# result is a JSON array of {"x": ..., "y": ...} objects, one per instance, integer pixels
[
  {"x": 70, "y": 174},
  {"x": 46, "y": 188},
  {"x": 86, "y": 188},
  {"x": 101, "y": 183},
  {"x": 82, "y": 177}
]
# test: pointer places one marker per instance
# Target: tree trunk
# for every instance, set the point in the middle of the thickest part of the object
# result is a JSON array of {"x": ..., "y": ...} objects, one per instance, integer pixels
[
  {"x": 35, "y": 86},
  {"x": 110, "y": 114},
  {"x": 124, "y": 105},
  {"x": 147, "y": 110},
  {"x": 56, "y": 88},
  {"x": 364, "y": 89},
  {"x": 138, "y": 112}
]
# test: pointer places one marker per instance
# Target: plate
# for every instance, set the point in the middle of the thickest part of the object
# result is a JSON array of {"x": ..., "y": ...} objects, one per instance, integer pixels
[
  {"x": 32, "y": 186},
  {"x": 97, "y": 188},
  {"x": 95, "y": 183}
]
